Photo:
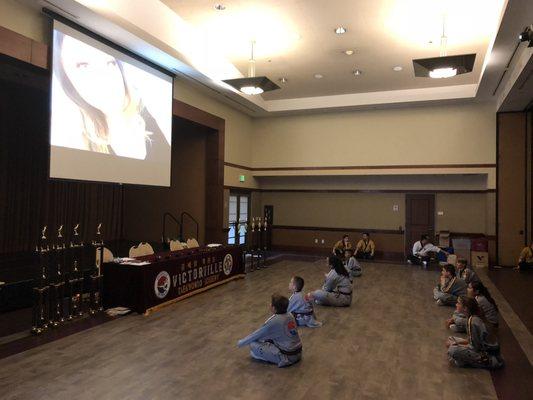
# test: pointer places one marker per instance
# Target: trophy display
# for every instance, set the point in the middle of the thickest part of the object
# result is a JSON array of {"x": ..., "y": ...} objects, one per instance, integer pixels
[
  {"x": 41, "y": 302},
  {"x": 95, "y": 304},
  {"x": 75, "y": 281},
  {"x": 57, "y": 287}
]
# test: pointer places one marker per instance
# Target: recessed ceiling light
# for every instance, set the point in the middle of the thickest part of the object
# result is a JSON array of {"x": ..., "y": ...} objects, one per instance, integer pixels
[
  {"x": 397, "y": 68},
  {"x": 349, "y": 52},
  {"x": 318, "y": 76},
  {"x": 283, "y": 80},
  {"x": 340, "y": 30},
  {"x": 220, "y": 7},
  {"x": 357, "y": 72}
]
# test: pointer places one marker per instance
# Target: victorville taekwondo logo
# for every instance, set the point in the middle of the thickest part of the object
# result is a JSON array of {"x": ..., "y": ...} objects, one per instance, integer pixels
[
  {"x": 162, "y": 284},
  {"x": 227, "y": 265}
]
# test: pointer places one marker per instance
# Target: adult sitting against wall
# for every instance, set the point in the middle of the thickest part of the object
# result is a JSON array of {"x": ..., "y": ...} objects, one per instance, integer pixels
[
  {"x": 365, "y": 247},
  {"x": 525, "y": 261},
  {"x": 421, "y": 253},
  {"x": 341, "y": 246}
]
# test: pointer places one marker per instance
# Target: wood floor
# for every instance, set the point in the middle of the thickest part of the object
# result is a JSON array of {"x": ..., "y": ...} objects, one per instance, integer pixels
[{"x": 388, "y": 345}]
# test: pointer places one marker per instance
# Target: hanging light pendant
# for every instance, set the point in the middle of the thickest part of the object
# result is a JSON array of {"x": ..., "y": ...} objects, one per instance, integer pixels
[
  {"x": 252, "y": 85},
  {"x": 444, "y": 66}
]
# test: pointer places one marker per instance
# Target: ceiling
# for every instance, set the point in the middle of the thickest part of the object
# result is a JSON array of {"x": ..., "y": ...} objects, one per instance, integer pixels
[{"x": 295, "y": 39}]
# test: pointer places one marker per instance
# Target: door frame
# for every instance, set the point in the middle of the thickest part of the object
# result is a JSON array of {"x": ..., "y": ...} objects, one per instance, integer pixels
[
  {"x": 240, "y": 193},
  {"x": 431, "y": 231}
]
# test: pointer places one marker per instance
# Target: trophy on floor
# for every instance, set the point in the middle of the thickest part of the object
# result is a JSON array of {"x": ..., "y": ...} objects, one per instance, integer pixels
[
  {"x": 97, "y": 278},
  {"x": 259, "y": 233},
  {"x": 265, "y": 227},
  {"x": 57, "y": 287},
  {"x": 41, "y": 303},
  {"x": 75, "y": 282}
]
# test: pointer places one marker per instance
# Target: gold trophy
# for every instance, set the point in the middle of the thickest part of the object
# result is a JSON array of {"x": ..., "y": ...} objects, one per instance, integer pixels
[
  {"x": 266, "y": 235},
  {"x": 76, "y": 277},
  {"x": 58, "y": 287},
  {"x": 96, "y": 304},
  {"x": 41, "y": 303}
]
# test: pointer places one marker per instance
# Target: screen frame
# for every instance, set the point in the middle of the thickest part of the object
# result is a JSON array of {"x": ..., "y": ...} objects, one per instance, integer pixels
[{"x": 93, "y": 35}]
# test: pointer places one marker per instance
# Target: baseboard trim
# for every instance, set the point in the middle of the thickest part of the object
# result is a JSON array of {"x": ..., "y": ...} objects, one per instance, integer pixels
[{"x": 326, "y": 251}]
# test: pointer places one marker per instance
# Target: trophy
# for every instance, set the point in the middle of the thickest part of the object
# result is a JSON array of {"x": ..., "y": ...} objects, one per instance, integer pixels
[
  {"x": 57, "y": 288},
  {"x": 97, "y": 279},
  {"x": 40, "y": 312},
  {"x": 265, "y": 247},
  {"x": 75, "y": 282}
]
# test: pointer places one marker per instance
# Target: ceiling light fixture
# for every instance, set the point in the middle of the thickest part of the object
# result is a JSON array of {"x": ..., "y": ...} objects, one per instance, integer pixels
[
  {"x": 357, "y": 72},
  {"x": 349, "y": 52},
  {"x": 253, "y": 84},
  {"x": 220, "y": 7},
  {"x": 340, "y": 30},
  {"x": 318, "y": 76},
  {"x": 444, "y": 66},
  {"x": 397, "y": 68}
]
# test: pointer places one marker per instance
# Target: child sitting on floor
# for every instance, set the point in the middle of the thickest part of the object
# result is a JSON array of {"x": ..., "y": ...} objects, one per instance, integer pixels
[
  {"x": 466, "y": 274},
  {"x": 474, "y": 351},
  {"x": 277, "y": 341},
  {"x": 300, "y": 305},
  {"x": 337, "y": 288},
  {"x": 351, "y": 264},
  {"x": 486, "y": 303},
  {"x": 449, "y": 288}
]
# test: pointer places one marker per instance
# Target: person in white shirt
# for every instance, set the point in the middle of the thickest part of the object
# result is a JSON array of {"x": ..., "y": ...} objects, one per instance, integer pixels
[{"x": 421, "y": 249}]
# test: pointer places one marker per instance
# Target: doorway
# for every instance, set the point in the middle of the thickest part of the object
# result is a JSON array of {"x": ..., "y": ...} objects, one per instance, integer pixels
[
  {"x": 419, "y": 218},
  {"x": 239, "y": 211}
]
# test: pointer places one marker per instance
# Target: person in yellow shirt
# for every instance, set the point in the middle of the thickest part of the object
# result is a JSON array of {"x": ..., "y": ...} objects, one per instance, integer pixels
[
  {"x": 365, "y": 247},
  {"x": 525, "y": 261},
  {"x": 341, "y": 246}
]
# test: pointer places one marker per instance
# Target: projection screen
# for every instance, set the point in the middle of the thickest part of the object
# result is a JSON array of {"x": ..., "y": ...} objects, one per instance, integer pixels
[{"x": 111, "y": 115}]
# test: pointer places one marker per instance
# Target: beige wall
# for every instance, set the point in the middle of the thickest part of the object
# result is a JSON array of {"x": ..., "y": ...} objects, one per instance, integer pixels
[
  {"x": 376, "y": 182},
  {"x": 25, "y": 20},
  {"x": 463, "y": 212},
  {"x": 238, "y": 141},
  {"x": 453, "y": 134},
  {"x": 336, "y": 210}
]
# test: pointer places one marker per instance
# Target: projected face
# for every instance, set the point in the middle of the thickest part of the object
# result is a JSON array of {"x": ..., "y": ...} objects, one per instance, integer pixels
[
  {"x": 111, "y": 115},
  {"x": 95, "y": 75}
]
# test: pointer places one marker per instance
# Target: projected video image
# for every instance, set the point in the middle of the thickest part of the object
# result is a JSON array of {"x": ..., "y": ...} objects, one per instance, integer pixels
[{"x": 104, "y": 105}]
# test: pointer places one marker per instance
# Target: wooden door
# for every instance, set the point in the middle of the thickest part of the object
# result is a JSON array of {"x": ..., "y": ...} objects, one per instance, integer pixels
[{"x": 419, "y": 218}]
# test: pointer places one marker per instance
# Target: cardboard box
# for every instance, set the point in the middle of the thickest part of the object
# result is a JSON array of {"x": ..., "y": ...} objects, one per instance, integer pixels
[
  {"x": 480, "y": 259},
  {"x": 452, "y": 259},
  {"x": 480, "y": 245},
  {"x": 461, "y": 243},
  {"x": 444, "y": 239}
]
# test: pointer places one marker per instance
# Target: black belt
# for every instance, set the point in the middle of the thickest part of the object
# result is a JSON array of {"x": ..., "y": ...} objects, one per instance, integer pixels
[
  {"x": 346, "y": 294},
  {"x": 291, "y": 352},
  {"x": 295, "y": 314}
]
